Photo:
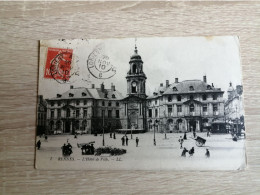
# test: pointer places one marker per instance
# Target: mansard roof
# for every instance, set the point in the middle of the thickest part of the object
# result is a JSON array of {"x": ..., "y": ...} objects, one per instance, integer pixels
[
  {"x": 93, "y": 93},
  {"x": 184, "y": 87}
]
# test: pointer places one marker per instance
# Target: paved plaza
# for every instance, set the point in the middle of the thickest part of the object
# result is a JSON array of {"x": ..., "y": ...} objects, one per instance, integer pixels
[{"x": 166, "y": 155}]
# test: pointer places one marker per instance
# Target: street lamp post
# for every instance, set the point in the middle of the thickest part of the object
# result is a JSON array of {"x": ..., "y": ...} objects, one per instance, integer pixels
[
  {"x": 131, "y": 132},
  {"x": 154, "y": 140},
  {"x": 103, "y": 128}
]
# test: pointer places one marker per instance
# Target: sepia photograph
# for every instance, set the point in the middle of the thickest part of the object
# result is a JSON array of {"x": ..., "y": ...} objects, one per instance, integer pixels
[{"x": 158, "y": 103}]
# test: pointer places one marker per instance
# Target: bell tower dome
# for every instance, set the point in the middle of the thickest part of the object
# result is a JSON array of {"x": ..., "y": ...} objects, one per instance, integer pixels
[{"x": 135, "y": 76}]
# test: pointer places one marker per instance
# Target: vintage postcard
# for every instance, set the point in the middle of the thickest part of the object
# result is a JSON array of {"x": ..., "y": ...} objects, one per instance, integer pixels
[{"x": 169, "y": 103}]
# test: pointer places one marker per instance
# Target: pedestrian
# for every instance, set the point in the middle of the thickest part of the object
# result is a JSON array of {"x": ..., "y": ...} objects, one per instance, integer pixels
[
  {"x": 126, "y": 140},
  {"x": 38, "y": 144},
  {"x": 136, "y": 141},
  {"x": 75, "y": 136},
  {"x": 235, "y": 137},
  {"x": 92, "y": 149},
  {"x": 67, "y": 140},
  {"x": 110, "y": 134},
  {"x": 207, "y": 153},
  {"x": 64, "y": 149},
  {"x": 194, "y": 133},
  {"x": 183, "y": 154},
  {"x": 191, "y": 152},
  {"x": 69, "y": 147},
  {"x": 185, "y": 136},
  {"x": 181, "y": 142},
  {"x": 123, "y": 141},
  {"x": 114, "y": 135},
  {"x": 46, "y": 138}
]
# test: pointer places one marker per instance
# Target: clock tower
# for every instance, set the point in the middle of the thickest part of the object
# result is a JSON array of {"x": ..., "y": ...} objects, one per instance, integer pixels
[{"x": 135, "y": 102}]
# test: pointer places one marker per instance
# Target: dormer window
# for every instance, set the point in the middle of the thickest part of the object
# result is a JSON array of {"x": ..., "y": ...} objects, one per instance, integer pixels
[
  {"x": 191, "y": 88},
  {"x": 106, "y": 95},
  {"x": 58, "y": 95},
  {"x": 84, "y": 94},
  {"x": 71, "y": 94},
  {"x": 174, "y": 89},
  {"x": 113, "y": 96},
  {"x": 155, "y": 94},
  {"x": 209, "y": 87}
]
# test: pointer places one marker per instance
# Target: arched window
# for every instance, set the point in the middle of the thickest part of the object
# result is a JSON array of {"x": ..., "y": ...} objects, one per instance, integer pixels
[
  {"x": 191, "y": 88},
  {"x": 192, "y": 108},
  {"x": 209, "y": 87},
  {"x": 113, "y": 96},
  {"x": 178, "y": 98},
  {"x": 134, "y": 87},
  {"x": 134, "y": 68},
  {"x": 174, "y": 89}
]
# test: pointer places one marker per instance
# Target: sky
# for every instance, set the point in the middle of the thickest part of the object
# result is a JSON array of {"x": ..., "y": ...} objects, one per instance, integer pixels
[{"x": 185, "y": 58}]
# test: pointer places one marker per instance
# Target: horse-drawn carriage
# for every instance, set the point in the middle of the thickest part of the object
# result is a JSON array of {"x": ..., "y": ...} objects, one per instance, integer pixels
[
  {"x": 87, "y": 148},
  {"x": 200, "y": 141}
]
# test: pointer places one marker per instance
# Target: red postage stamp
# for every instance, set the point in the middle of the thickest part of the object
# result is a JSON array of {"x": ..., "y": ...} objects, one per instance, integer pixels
[{"x": 58, "y": 64}]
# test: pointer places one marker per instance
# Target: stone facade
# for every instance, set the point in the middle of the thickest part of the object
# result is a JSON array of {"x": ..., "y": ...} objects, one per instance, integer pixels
[{"x": 185, "y": 106}]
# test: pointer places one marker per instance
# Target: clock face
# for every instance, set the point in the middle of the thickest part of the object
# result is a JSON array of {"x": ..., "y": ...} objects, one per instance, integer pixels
[{"x": 134, "y": 84}]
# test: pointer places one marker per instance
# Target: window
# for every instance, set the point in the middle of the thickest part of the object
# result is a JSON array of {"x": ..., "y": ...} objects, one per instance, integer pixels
[
  {"x": 52, "y": 103},
  {"x": 103, "y": 103},
  {"x": 191, "y": 97},
  {"x": 77, "y": 113},
  {"x": 179, "y": 108},
  {"x": 113, "y": 96},
  {"x": 85, "y": 112},
  {"x": 204, "y": 97},
  {"x": 205, "y": 108},
  {"x": 71, "y": 94},
  {"x": 214, "y": 97},
  {"x": 192, "y": 108},
  {"x": 150, "y": 113},
  {"x": 84, "y": 94},
  {"x": 174, "y": 89},
  {"x": 208, "y": 87},
  {"x": 84, "y": 124},
  {"x": 77, "y": 102},
  {"x": 155, "y": 102},
  {"x": 134, "y": 69},
  {"x": 109, "y": 113},
  {"x": 58, "y": 125},
  {"x": 178, "y": 98},
  {"x": 117, "y": 103},
  {"x": 169, "y": 98},
  {"x": 169, "y": 110},
  {"x": 59, "y": 112},
  {"x": 215, "y": 107},
  {"x": 68, "y": 112},
  {"x": 59, "y": 103},
  {"x": 109, "y": 103},
  {"x": 134, "y": 87},
  {"x": 117, "y": 114},
  {"x": 52, "y": 113},
  {"x": 156, "y": 112},
  {"x": 191, "y": 88},
  {"x": 85, "y": 102}
]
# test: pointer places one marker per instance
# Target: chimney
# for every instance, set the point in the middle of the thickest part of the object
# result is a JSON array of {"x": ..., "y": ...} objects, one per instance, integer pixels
[
  {"x": 71, "y": 87},
  {"x": 102, "y": 86},
  {"x": 93, "y": 86},
  {"x": 205, "y": 79},
  {"x": 161, "y": 85},
  {"x": 113, "y": 87},
  {"x": 176, "y": 80},
  {"x": 212, "y": 85},
  {"x": 167, "y": 83}
]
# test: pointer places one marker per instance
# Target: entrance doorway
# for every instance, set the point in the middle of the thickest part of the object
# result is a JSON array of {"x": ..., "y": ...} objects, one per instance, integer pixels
[
  {"x": 192, "y": 124},
  {"x": 67, "y": 127}
]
